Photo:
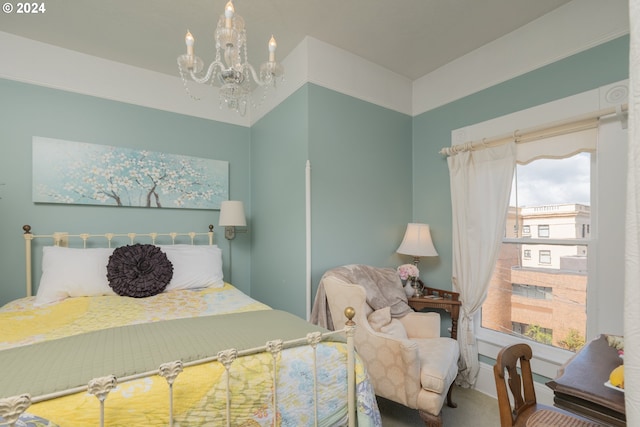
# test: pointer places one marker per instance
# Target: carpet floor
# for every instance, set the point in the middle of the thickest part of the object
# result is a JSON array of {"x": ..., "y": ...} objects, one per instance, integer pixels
[{"x": 475, "y": 409}]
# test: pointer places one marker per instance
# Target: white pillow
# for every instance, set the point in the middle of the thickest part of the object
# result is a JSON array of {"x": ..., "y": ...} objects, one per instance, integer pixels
[
  {"x": 379, "y": 318},
  {"x": 395, "y": 328},
  {"x": 194, "y": 266},
  {"x": 73, "y": 272},
  {"x": 381, "y": 321}
]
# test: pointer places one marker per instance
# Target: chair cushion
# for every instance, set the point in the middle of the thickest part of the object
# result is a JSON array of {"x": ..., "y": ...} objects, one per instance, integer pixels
[
  {"x": 439, "y": 363},
  {"x": 548, "y": 417}
]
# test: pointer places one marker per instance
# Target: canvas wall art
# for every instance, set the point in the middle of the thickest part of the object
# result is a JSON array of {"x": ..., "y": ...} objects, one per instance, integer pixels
[{"x": 91, "y": 174}]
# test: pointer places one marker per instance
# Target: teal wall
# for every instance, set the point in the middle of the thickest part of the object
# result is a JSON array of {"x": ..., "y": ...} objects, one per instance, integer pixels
[
  {"x": 361, "y": 181},
  {"x": 584, "y": 71},
  {"x": 27, "y": 111},
  {"x": 279, "y": 152},
  {"x": 361, "y": 190}
]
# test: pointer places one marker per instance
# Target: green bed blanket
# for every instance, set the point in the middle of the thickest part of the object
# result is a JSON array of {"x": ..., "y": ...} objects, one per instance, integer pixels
[{"x": 67, "y": 363}]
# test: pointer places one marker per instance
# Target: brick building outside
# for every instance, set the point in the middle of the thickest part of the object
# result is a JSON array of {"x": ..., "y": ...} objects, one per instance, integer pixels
[{"x": 539, "y": 286}]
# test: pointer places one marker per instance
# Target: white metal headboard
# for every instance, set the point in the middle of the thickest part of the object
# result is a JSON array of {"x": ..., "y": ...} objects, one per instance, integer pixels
[{"x": 62, "y": 239}]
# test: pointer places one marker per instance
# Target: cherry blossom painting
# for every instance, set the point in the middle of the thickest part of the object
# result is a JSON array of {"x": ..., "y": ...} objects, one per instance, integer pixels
[{"x": 91, "y": 174}]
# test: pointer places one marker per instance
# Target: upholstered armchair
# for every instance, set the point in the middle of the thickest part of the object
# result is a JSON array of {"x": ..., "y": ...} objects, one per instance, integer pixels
[{"x": 405, "y": 357}]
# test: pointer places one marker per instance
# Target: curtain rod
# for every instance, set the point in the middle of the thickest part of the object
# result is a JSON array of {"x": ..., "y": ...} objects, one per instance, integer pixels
[{"x": 584, "y": 122}]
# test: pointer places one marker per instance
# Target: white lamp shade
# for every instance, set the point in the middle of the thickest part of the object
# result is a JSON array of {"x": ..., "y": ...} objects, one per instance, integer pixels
[
  {"x": 417, "y": 241},
  {"x": 232, "y": 214}
]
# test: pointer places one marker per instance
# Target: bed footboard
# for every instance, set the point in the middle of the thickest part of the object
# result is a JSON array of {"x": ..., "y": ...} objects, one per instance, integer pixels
[{"x": 12, "y": 408}]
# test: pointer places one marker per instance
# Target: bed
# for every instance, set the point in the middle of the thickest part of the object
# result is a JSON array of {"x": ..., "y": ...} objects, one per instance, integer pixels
[{"x": 163, "y": 340}]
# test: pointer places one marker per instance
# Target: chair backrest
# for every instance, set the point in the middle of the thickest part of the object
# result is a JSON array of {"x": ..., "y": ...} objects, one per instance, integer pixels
[
  {"x": 341, "y": 295},
  {"x": 520, "y": 384}
]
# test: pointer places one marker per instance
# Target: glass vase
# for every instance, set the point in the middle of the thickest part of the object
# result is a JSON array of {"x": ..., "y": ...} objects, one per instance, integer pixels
[{"x": 415, "y": 285}]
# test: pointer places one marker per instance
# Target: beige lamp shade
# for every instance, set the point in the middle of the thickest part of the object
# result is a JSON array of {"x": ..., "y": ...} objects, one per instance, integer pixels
[
  {"x": 232, "y": 214},
  {"x": 417, "y": 241}
]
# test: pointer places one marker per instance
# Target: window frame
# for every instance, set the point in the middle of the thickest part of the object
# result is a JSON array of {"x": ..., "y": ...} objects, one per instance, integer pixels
[{"x": 548, "y": 359}]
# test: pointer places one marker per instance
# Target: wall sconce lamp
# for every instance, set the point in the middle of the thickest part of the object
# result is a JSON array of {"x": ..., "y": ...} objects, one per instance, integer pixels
[
  {"x": 232, "y": 216},
  {"x": 417, "y": 242}
]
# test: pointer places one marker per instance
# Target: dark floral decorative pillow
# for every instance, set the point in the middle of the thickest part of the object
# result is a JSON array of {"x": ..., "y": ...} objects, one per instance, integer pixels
[{"x": 139, "y": 271}]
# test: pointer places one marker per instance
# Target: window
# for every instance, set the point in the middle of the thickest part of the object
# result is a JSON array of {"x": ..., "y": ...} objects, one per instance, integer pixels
[
  {"x": 530, "y": 291},
  {"x": 545, "y": 257},
  {"x": 543, "y": 230},
  {"x": 608, "y": 176},
  {"x": 585, "y": 230},
  {"x": 539, "y": 288}
]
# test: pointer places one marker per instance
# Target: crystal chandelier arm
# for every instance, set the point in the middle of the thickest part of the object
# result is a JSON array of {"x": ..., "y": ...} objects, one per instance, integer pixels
[
  {"x": 254, "y": 74},
  {"x": 257, "y": 78},
  {"x": 207, "y": 76}
]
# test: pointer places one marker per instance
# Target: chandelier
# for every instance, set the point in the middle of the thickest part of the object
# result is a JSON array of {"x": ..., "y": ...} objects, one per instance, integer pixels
[{"x": 230, "y": 70}]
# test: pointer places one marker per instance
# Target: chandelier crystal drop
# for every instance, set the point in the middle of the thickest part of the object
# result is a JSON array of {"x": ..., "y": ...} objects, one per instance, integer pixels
[{"x": 230, "y": 70}]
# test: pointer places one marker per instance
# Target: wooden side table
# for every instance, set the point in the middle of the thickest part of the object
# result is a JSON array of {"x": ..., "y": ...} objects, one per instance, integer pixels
[{"x": 438, "y": 298}]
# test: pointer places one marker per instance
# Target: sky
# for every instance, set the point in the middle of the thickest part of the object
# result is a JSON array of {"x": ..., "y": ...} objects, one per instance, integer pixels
[{"x": 554, "y": 181}]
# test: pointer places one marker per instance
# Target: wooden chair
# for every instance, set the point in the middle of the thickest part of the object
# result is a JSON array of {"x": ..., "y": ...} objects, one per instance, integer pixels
[{"x": 526, "y": 411}]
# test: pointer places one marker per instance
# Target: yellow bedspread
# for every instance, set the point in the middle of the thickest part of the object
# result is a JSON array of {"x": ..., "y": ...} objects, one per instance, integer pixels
[
  {"x": 24, "y": 323},
  {"x": 199, "y": 392}
]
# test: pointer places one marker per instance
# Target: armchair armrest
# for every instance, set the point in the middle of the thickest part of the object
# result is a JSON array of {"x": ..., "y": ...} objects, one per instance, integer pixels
[
  {"x": 390, "y": 361},
  {"x": 421, "y": 325}
]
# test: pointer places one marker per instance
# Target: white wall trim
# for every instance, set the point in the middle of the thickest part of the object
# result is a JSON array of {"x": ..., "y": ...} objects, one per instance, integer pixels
[
  {"x": 311, "y": 61},
  {"x": 46, "y": 65},
  {"x": 344, "y": 72},
  {"x": 571, "y": 107},
  {"x": 570, "y": 29},
  {"x": 296, "y": 66},
  {"x": 317, "y": 62}
]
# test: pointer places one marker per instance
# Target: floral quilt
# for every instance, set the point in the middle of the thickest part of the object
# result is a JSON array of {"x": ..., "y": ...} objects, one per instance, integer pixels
[{"x": 199, "y": 393}]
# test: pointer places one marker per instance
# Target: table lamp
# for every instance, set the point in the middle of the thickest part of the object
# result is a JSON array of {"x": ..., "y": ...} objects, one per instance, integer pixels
[{"x": 417, "y": 242}]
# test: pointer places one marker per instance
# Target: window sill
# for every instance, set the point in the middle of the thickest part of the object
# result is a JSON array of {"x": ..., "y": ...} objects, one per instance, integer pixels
[{"x": 546, "y": 359}]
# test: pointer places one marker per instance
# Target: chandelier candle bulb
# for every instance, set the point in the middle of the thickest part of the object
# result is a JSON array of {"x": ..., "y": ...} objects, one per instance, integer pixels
[
  {"x": 228, "y": 14},
  {"x": 272, "y": 49},
  {"x": 189, "y": 41}
]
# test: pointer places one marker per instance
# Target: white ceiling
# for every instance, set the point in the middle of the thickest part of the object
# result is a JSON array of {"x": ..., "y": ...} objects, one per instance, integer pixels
[{"x": 409, "y": 37}]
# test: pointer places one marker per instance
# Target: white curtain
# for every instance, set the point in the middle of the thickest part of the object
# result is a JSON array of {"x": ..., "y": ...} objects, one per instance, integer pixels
[
  {"x": 632, "y": 246},
  {"x": 480, "y": 187}
]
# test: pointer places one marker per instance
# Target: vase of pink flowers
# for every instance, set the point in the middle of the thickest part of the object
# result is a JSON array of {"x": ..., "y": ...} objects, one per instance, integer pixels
[{"x": 409, "y": 273}]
